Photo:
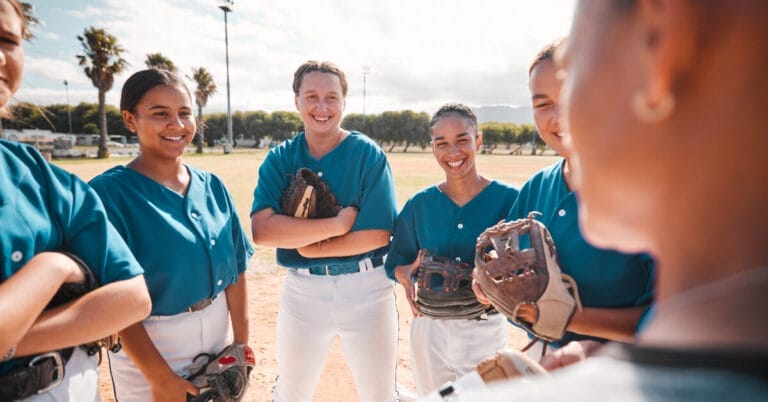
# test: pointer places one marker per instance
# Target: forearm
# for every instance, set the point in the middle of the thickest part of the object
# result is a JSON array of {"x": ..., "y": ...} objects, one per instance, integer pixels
[
  {"x": 237, "y": 301},
  {"x": 95, "y": 315},
  {"x": 275, "y": 230},
  {"x": 25, "y": 294},
  {"x": 616, "y": 324},
  {"x": 352, "y": 243}
]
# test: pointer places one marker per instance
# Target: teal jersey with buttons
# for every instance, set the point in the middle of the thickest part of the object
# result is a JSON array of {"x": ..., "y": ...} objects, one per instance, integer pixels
[
  {"x": 430, "y": 220},
  {"x": 44, "y": 208},
  {"x": 358, "y": 174},
  {"x": 191, "y": 246},
  {"x": 605, "y": 278}
]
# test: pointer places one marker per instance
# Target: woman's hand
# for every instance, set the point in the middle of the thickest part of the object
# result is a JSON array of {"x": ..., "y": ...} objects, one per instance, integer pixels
[
  {"x": 172, "y": 388},
  {"x": 573, "y": 352},
  {"x": 404, "y": 275}
]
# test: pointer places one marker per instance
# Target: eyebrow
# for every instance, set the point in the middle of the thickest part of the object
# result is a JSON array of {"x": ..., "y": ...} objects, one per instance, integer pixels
[
  {"x": 539, "y": 96},
  {"x": 458, "y": 135}
]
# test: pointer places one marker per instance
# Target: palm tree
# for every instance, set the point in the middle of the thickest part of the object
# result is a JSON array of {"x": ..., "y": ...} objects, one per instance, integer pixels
[
  {"x": 157, "y": 60},
  {"x": 205, "y": 88},
  {"x": 101, "y": 62}
]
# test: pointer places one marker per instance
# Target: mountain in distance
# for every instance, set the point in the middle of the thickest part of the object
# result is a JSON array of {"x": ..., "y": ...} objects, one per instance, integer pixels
[{"x": 504, "y": 114}]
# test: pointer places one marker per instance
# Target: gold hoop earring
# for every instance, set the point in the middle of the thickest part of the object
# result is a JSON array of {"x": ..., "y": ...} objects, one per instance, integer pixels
[{"x": 647, "y": 113}]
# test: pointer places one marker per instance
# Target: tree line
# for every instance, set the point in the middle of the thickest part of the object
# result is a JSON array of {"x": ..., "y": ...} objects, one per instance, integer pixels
[{"x": 392, "y": 129}]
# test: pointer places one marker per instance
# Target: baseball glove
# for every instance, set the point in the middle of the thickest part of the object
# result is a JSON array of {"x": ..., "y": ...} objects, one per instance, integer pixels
[
  {"x": 511, "y": 277},
  {"x": 508, "y": 363},
  {"x": 444, "y": 289},
  {"x": 308, "y": 196},
  {"x": 72, "y": 291},
  {"x": 223, "y": 377}
]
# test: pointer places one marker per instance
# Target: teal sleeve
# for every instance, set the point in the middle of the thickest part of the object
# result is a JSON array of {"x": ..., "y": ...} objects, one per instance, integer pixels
[
  {"x": 87, "y": 230},
  {"x": 270, "y": 185},
  {"x": 243, "y": 249},
  {"x": 405, "y": 246},
  {"x": 378, "y": 206}
]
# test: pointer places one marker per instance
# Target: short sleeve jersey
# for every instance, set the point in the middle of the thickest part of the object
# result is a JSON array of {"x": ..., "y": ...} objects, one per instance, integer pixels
[
  {"x": 44, "y": 208},
  {"x": 431, "y": 220},
  {"x": 191, "y": 246},
  {"x": 356, "y": 171},
  {"x": 605, "y": 278}
]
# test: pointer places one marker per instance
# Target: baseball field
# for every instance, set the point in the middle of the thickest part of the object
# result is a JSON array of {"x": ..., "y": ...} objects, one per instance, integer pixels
[{"x": 239, "y": 171}]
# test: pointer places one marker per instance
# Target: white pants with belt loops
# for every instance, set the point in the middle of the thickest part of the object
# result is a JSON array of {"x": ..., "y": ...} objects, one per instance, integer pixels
[
  {"x": 444, "y": 350},
  {"x": 178, "y": 338},
  {"x": 360, "y": 309}
]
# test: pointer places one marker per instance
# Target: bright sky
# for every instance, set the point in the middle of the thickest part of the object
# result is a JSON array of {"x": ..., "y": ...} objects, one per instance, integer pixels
[{"x": 421, "y": 53}]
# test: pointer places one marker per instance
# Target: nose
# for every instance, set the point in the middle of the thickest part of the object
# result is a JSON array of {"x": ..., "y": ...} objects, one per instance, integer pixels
[
  {"x": 556, "y": 117},
  {"x": 176, "y": 122}
]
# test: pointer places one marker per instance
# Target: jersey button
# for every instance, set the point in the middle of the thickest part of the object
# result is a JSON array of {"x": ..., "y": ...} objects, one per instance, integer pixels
[
  {"x": 194, "y": 215},
  {"x": 561, "y": 212},
  {"x": 213, "y": 242},
  {"x": 319, "y": 174},
  {"x": 458, "y": 259},
  {"x": 16, "y": 256},
  {"x": 460, "y": 226},
  {"x": 219, "y": 282}
]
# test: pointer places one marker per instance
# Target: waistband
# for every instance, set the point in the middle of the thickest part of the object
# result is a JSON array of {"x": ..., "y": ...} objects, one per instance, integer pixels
[
  {"x": 201, "y": 304},
  {"x": 366, "y": 264}
]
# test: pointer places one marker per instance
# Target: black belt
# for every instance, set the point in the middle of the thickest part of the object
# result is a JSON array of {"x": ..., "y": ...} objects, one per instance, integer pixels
[
  {"x": 40, "y": 374},
  {"x": 201, "y": 304}
]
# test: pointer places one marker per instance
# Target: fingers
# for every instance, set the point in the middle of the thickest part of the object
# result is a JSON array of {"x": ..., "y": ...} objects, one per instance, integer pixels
[{"x": 192, "y": 389}]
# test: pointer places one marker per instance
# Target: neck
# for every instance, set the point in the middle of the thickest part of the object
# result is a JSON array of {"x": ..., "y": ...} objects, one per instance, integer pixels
[
  {"x": 567, "y": 174},
  {"x": 464, "y": 189},
  {"x": 320, "y": 144},
  {"x": 168, "y": 172}
]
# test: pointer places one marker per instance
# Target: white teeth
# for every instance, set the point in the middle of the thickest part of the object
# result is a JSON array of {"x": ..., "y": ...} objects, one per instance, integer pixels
[
  {"x": 173, "y": 138},
  {"x": 318, "y": 118},
  {"x": 455, "y": 164}
]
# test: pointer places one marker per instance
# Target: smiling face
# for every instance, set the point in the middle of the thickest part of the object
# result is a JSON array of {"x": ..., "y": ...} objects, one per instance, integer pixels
[
  {"x": 455, "y": 142},
  {"x": 163, "y": 121},
  {"x": 320, "y": 103},
  {"x": 11, "y": 52},
  {"x": 545, "y": 100}
]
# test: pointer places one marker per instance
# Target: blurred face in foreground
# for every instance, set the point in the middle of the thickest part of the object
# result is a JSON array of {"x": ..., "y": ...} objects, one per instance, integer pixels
[{"x": 611, "y": 151}]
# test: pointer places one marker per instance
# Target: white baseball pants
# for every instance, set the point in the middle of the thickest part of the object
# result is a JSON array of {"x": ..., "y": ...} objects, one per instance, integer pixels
[
  {"x": 178, "y": 338},
  {"x": 81, "y": 381},
  {"x": 360, "y": 309},
  {"x": 444, "y": 350}
]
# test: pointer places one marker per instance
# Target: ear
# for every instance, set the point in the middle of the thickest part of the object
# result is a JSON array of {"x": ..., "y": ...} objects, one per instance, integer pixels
[
  {"x": 668, "y": 30},
  {"x": 479, "y": 140},
  {"x": 296, "y": 101},
  {"x": 129, "y": 121}
]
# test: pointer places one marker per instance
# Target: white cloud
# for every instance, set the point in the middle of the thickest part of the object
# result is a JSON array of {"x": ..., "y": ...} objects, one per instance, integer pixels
[{"x": 422, "y": 53}]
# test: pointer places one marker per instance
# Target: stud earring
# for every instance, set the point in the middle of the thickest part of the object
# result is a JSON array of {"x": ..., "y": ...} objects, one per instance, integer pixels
[{"x": 647, "y": 113}]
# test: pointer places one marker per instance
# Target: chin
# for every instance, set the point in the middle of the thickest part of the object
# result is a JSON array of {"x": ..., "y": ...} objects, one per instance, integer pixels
[{"x": 610, "y": 233}]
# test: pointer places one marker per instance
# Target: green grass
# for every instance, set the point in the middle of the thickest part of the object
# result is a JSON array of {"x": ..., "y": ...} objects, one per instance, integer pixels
[{"x": 412, "y": 171}]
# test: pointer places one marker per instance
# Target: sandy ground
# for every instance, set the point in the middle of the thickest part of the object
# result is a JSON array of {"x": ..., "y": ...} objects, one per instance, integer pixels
[{"x": 264, "y": 286}]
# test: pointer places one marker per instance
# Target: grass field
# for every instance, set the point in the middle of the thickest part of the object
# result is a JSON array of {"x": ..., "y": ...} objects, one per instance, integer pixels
[{"x": 239, "y": 171}]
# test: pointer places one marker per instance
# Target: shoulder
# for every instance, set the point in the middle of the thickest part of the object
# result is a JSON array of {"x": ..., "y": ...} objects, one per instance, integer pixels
[
  {"x": 361, "y": 142},
  {"x": 115, "y": 175},
  {"x": 20, "y": 154},
  {"x": 497, "y": 187},
  {"x": 288, "y": 146}
]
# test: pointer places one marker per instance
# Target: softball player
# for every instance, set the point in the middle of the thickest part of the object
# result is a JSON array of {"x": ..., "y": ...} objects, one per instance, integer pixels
[
  {"x": 182, "y": 226},
  {"x": 335, "y": 283},
  {"x": 446, "y": 219},
  {"x": 615, "y": 288},
  {"x": 45, "y": 213}
]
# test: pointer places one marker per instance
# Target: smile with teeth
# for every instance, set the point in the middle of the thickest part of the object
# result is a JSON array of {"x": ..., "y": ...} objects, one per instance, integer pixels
[
  {"x": 174, "y": 139},
  {"x": 321, "y": 118},
  {"x": 455, "y": 163}
]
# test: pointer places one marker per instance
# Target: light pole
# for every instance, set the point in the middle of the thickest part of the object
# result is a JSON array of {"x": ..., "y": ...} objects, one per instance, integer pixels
[
  {"x": 69, "y": 110},
  {"x": 226, "y": 6},
  {"x": 366, "y": 70}
]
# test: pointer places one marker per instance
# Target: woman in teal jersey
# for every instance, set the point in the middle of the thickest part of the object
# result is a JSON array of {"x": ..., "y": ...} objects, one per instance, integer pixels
[{"x": 181, "y": 224}]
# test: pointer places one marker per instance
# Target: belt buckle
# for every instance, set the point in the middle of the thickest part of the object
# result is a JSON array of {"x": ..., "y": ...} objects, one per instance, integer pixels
[{"x": 58, "y": 365}]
